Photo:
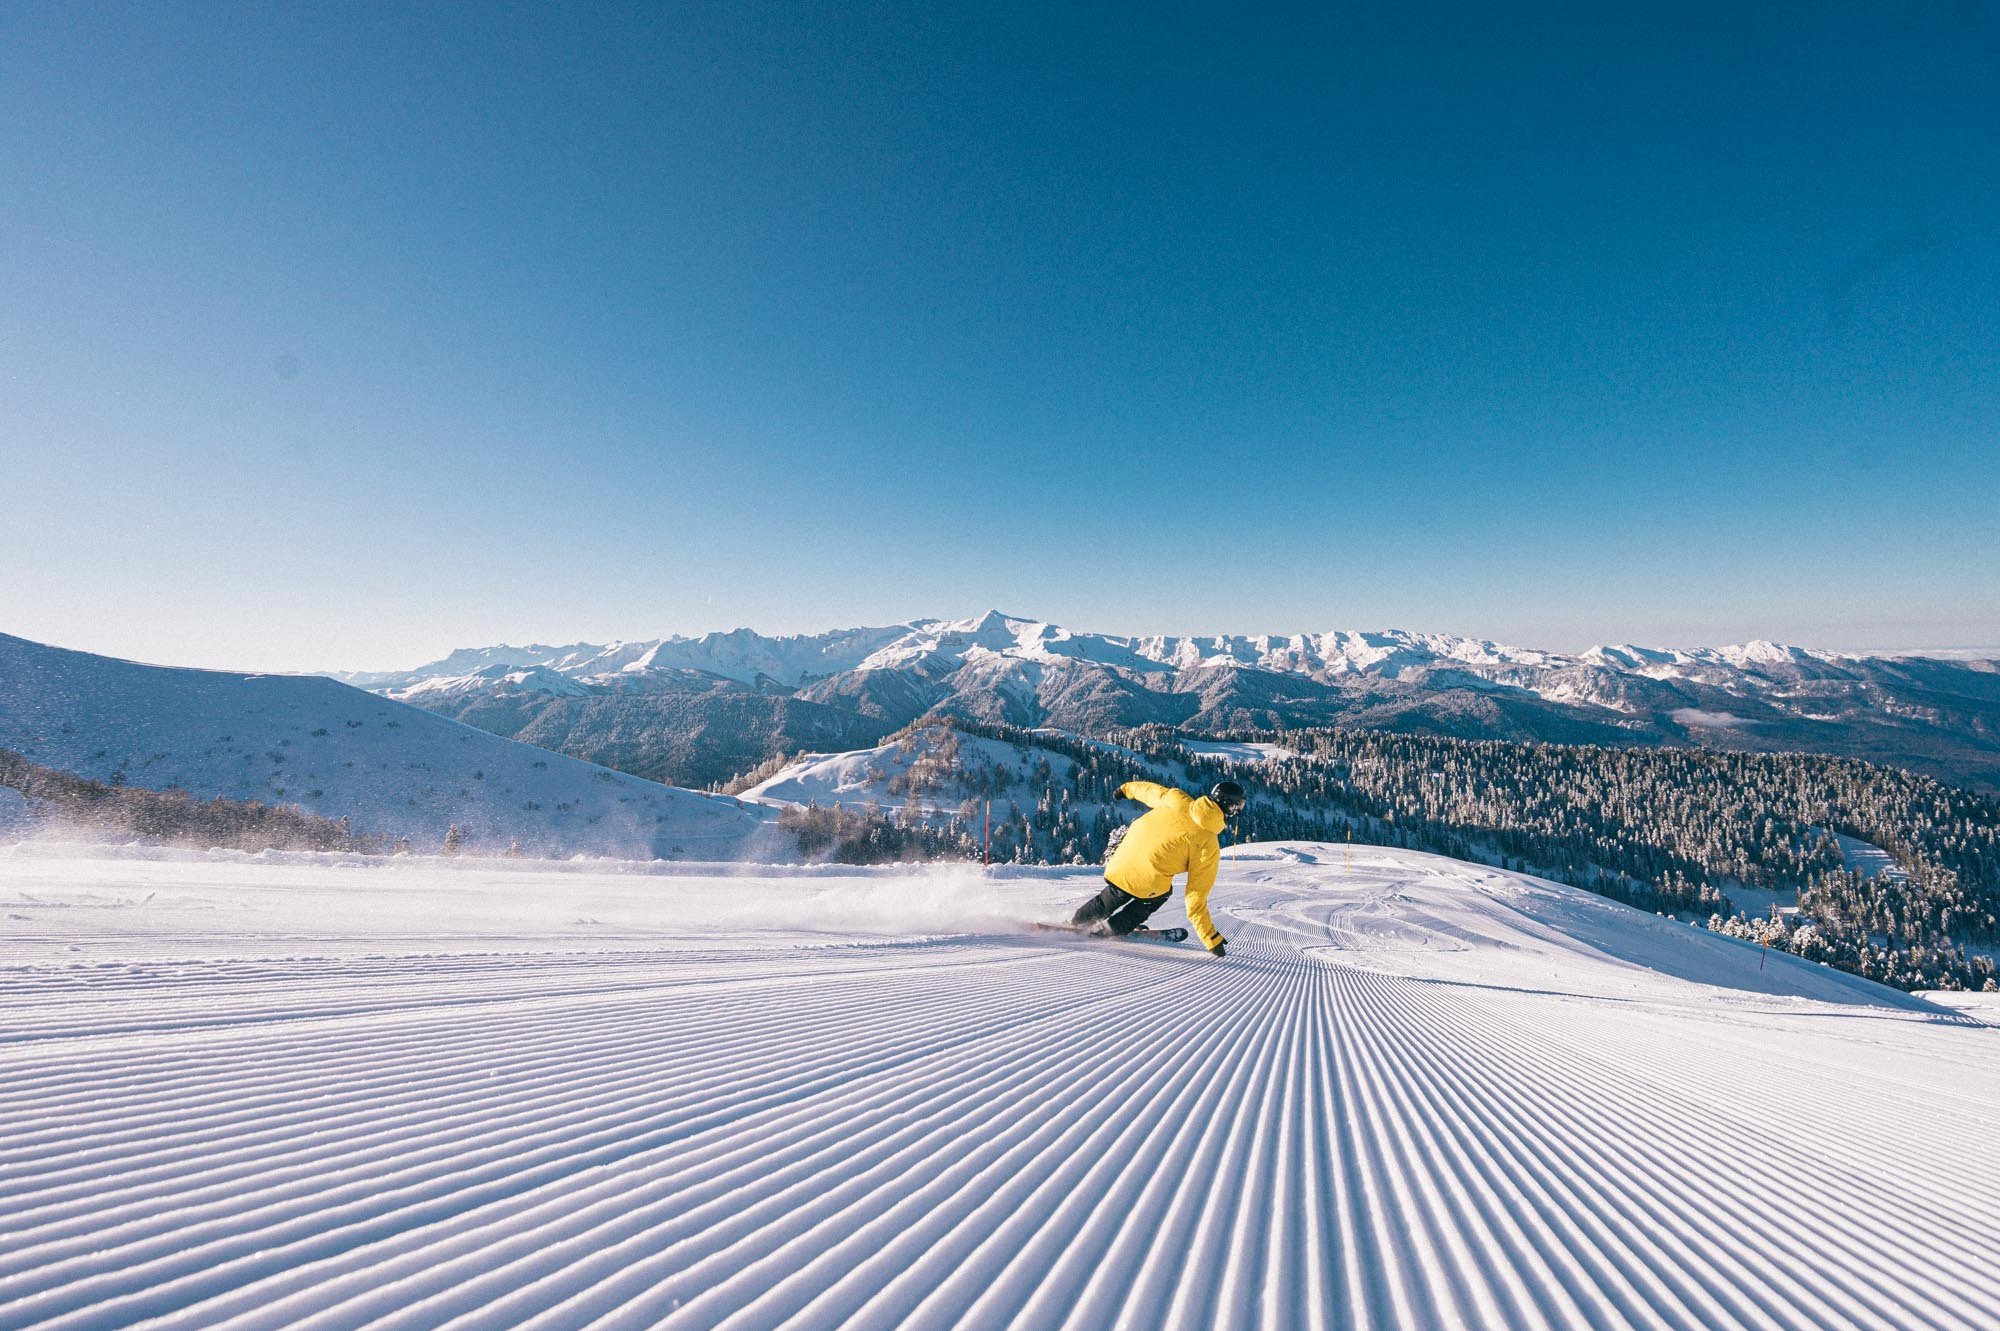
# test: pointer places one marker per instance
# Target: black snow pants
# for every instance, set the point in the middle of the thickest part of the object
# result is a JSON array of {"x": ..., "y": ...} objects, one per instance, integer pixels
[{"x": 1120, "y": 910}]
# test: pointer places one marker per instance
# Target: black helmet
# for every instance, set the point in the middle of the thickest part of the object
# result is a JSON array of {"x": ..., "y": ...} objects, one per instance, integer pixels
[{"x": 1229, "y": 796}]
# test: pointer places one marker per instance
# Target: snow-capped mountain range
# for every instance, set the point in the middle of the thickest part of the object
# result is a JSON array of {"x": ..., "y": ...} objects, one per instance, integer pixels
[
  {"x": 936, "y": 646},
  {"x": 850, "y": 686}
]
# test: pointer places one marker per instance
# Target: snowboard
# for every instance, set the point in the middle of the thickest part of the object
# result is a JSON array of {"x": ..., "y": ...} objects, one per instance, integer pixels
[{"x": 1141, "y": 934}]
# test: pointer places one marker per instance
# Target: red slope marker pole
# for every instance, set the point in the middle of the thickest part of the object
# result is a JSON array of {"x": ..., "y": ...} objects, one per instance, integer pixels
[{"x": 989, "y": 834}]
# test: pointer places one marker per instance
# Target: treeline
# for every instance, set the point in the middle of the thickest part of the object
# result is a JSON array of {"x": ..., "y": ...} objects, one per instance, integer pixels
[
  {"x": 174, "y": 817},
  {"x": 1673, "y": 830},
  {"x": 868, "y": 836}
]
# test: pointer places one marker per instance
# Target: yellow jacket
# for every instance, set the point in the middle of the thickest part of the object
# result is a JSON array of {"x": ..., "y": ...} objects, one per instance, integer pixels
[{"x": 1177, "y": 835}]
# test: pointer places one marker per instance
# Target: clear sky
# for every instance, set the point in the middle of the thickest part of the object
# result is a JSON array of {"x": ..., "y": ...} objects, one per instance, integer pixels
[{"x": 338, "y": 335}]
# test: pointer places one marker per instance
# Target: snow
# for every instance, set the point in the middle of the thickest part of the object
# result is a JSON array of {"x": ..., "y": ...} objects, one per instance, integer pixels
[
  {"x": 1978, "y": 1006},
  {"x": 533, "y": 678},
  {"x": 1860, "y": 856},
  {"x": 1237, "y": 752},
  {"x": 1756, "y": 902},
  {"x": 394, "y": 769},
  {"x": 1631, "y": 657},
  {"x": 860, "y": 778},
  {"x": 856, "y": 778},
  {"x": 464, "y": 661},
  {"x": 1387, "y": 653},
  {"x": 1761, "y": 652},
  {"x": 309, "y": 1092},
  {"x": 1866, "y": 858},
  {"x": 1018, "y": 656},
  {"x": 739, "y": 655},
  {"x": 993, "y": 642}
]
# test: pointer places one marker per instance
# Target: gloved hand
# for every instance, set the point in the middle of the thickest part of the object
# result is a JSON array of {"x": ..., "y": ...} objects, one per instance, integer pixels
[{"x": 1219, "y": 948}]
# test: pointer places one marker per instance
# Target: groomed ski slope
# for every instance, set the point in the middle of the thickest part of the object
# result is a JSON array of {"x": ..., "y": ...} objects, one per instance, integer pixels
[{"x": 301, "y": 1094}]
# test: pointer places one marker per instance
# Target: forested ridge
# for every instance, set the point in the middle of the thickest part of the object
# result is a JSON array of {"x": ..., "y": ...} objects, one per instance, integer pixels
[{"x": 1674, "y": 830}]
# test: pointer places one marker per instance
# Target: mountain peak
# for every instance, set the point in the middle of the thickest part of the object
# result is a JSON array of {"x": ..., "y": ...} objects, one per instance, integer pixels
[
  {"x": 1763, "y": 652},
  {"x": 993, "y": 622}
]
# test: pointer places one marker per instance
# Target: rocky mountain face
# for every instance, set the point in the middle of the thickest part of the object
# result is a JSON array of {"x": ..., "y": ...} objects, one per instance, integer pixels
[{"x": 699, "y": 710}]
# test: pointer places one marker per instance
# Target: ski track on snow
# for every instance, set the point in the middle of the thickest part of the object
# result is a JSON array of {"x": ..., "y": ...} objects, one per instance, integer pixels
[{"x": 1326, "y": 1130}]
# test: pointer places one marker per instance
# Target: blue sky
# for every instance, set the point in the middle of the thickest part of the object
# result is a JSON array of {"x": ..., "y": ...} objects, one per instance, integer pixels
[{"x": 337, "y": 336}]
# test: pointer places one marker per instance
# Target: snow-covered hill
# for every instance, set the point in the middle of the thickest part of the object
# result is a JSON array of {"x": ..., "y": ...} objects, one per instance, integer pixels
[
  {"x": 394, "y": 770},
  {"x": 925, "y": 771},
  {"x": 1418, "y": 1094},
  {"x": 1939, "y": 716},
  {"x": 1030, "y": 798}
]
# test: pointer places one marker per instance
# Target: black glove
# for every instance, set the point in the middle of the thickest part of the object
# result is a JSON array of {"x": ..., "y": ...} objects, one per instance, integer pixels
[{"x": 1218, "y": 948}]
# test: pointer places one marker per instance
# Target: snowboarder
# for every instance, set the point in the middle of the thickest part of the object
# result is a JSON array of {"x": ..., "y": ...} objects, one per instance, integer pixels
[{"x": 1177, "y": 835}]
